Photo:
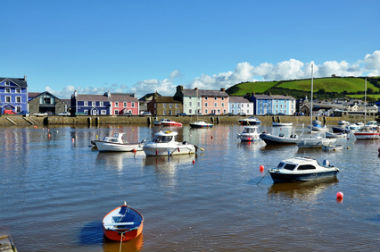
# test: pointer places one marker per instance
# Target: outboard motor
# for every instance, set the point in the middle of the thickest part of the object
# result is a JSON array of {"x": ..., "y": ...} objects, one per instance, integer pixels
[{"x": 326, "y": 163}]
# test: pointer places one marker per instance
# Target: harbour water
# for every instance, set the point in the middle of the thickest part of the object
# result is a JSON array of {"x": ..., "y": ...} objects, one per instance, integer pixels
[{"x": 55, "y": 192}]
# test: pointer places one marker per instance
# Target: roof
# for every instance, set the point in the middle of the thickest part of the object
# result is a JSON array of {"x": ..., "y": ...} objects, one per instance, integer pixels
[
  {"x": 122, "y": 97},
  {"x": 21, "y": 82},
  {"x": 148, "y": 95},
  {"x": 204, "y": 92},
  {"x": 273, "y": 97},
  {"x": 238, "y": 99},
  {"x": 166, "y": 99},
  {"x": 91, "y": 97},
  {"x": 32, "y": 95},
  {"x": 299, "y": 160}
]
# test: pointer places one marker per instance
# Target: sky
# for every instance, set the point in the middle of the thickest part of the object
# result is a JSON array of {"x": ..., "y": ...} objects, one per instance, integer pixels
[{"x": 146, "y": 46}]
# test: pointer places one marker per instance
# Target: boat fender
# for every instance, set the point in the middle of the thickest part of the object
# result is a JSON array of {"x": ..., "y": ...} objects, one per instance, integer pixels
[{"x": 184, "y": 142}]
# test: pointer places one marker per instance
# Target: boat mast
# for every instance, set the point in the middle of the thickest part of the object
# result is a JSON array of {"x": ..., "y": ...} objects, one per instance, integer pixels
[
  {"x": 311, "y": 97},
  {"x": 365, "y": 101}
]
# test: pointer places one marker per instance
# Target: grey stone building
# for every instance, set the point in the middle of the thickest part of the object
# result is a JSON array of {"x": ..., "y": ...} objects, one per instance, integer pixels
[{"x": 45, "y": 102}]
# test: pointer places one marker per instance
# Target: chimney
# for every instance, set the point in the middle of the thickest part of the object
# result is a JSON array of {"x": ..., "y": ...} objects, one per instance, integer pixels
[
  {"x": 223, "y": 89},
  {"x": 24, "y": 77},
  {"x": 196, "y": 89},
  {"x": 75, "y": 94},
  {"x": 108, "y": 93},
  {"x": 179, "y": 89}
]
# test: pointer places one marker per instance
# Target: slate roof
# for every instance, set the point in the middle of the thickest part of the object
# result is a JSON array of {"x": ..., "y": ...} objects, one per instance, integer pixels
[
  {"x": 204, "y": 92},
  {"x": 122, "y": 97},
  {"x": 91, "y": 97},
  {"x": 32, "y": 95},
  {"x": 166, "y": 99},
  {"x": 238, "y": 99},
  {"x": 21, "y": 82}
]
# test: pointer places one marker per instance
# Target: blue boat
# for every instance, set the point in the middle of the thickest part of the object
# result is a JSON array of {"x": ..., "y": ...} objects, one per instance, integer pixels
[{"x": 301, "y": 169}]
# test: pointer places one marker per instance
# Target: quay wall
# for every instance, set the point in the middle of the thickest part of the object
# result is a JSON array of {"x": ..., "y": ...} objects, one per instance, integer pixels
[{"x": 21, "y": 121}]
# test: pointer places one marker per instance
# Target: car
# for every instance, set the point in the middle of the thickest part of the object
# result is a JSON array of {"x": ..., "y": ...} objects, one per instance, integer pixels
[
  {"x": 145, "y": 113},
  {"x": 181, "y": 114},
  {"x": 64, "y": 113}
]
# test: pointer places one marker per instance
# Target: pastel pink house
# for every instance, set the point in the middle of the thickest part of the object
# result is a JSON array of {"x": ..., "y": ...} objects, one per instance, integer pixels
[
  {"x": 214, "y": 101},
  {"x": 124, "y": 104}
]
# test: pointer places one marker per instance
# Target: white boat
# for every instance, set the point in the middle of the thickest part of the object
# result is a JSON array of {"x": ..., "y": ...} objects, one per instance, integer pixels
[
  {"x": 250, "y": 121},
  {"x": 367, "y": 133},
  {"x": 317, "y": 127},
  {"x": 343, "y": 123},
  {"x": 164, "y": 143},
  {"x": 281, "y": 124},
  {"x": 201, "y": 124},
  {"x": 336, "y": 135},
  {"x": 314, "y": 142},
  {"x": 270, "y": 139},
  {"x": 301, "y": 169},
  {"x": 116, "y": 143},
  {"x": 167, "y": 123},
  {"x": 249, "y": 134}
]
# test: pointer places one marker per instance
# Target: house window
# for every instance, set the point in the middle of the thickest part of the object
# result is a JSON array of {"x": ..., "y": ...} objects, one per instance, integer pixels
[
  {"x": 7, "y": 83},
  {"x": 85, "y": 103},
  {"x": 215, "y": 105},
  {"x": 190, "y": 104},
  {"x": 164, "y": 105},
  {"x": 170, "y": 105},
  {"x": 190, "y": 111},
  {"x": 18, "y": 109},
  {"x": 7, "y": 99},
  {"x": 224, "y": 111},
  {"x": 125, "y": 104},
  {"x": 18, "y": 91},
  {"x": 7, "y": 90},
  {"x": 101, "y": 104},
  {"x": 133, "y": 104},
  {"x": 215, "y": 98},
  {"x": 218, "y": 111},
  {"x": 47, "y": 100},
  {"x": 116, "y": 104},
  {"x": 232, "y": 106},
  {"x": 206, "y": 98},
  {"x": 103, "y": 112},
  {"x": 222, "y": 104},
  {"x": 206, "y": 105},
  {"x": 199, "y": 104},
  {"x": 163, "y": 112},
  {"x": 18, "y": 99},
  {"x": 222, "y": 98},
  {"x": 206, "y": 111},
  {"x": 176, "y": 106},
  {"x": 85, "y": 111},
  {"x": 116, "y": 112}
]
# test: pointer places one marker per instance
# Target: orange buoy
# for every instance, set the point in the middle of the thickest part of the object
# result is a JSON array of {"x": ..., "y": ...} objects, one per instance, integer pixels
[
  {"x": 35, "y": 126},
  {"x": 134, "y": 150},
  {"x": 49, "y": 135},
  {"x": 261, "y": 168},
  {"x": 339, "y": 197},
  {"x": 212, "y": 137},
  {"x": 193, "y": 161},
  {"x": 73, "y": 140}
]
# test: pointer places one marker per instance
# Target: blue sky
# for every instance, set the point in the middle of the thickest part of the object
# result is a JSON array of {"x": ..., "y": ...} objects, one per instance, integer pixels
[{"x": 143, "y": 46}]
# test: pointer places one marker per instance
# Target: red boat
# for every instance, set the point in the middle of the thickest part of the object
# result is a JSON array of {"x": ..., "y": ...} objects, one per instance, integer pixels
[
  {"x": 167, "y": 123},
  {"x": 123, "y": 223}
]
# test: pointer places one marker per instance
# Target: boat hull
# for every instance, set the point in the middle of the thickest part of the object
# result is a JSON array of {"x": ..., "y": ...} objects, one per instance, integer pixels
[
  {"x": 121, "y": 235},
  {"x": 248, "y": 138},
  {"x": 171, "y": 124},
  {"x": 274, "y": 140},
  {"x": 157, "y": 150},
  {"x": 280, "y": 177},
  {"x": 118, "y": 147},
  {"x": 366, "y": 136},
  {"x": 247, "y": 123},
  {"x": 198, "y": 126},
  {"x": 279, "y": 124}
]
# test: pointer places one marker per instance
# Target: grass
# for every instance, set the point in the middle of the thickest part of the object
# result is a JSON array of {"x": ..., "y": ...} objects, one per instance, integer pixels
[{"x": 244, "y": 88}]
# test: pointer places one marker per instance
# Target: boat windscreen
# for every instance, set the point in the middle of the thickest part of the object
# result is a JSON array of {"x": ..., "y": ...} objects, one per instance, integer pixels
[
  {"x": 289, "y": 167},
  {"x": 281, "y": 164},
  {"x": 163, "y": 139}
]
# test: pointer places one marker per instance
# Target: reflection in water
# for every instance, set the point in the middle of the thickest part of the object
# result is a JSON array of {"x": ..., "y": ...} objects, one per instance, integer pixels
[
  {"x": 302, "y": 190},
  {"x": 168, "y": 164},
  {"x": 118, "y": 159},
  {"x": 129, "y": 246},
  {"x": 251, "y": 146}
]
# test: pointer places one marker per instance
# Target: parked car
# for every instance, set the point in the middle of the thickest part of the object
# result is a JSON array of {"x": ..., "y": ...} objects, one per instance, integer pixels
[
  {"x": 181, "y": 114},
  {"x": 64, "y": 114},
  {"x": 145, "y": 113}
]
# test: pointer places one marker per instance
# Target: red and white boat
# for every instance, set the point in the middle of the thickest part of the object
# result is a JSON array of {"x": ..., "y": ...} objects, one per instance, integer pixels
[
  {"x": 368, "y": 133},
  {"x": 123, "y": 223},
  {"x": 167, "y": 123}
]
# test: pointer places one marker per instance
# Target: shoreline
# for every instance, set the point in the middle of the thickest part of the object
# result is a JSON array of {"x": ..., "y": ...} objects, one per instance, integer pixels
[{"x": 31, "y": 121}]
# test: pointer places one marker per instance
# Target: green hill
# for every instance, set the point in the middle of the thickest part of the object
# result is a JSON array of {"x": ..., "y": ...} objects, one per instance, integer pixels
[{"x": 324, "y": 88}]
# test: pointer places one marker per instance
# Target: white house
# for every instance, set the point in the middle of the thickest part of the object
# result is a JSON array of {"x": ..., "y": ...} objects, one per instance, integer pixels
[{"x": 239, "y": 105}]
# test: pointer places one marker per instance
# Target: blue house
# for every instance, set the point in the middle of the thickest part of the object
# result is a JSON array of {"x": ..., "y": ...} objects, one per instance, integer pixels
[
  {"x": 87, "y": 104},
  {"x": 273, "y": 104},
  {"x": 13, "y": 96}
]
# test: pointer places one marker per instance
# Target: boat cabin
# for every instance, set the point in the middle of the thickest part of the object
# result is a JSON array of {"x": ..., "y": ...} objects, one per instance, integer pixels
[
  {"x": 301, "y": 164},
  {"x": 251, "y": 129},
  {"x": 165, "y": 137},
  {"x": 116, "y": 138}
]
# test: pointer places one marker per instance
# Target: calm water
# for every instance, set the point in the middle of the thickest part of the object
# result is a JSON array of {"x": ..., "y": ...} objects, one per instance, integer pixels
[{"x": 54, "y": 194}]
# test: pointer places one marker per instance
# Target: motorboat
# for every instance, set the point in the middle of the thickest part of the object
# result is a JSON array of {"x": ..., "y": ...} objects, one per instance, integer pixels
[
  {"x": 123, "y": 223},
  {"x": 318, "y": 127},
  {"x": 250, "y": 121},
  {"x": 249, "y": 134},
  {"x": 282, "y": 124},
  {"x": 164, "y": 143},
  {"x": 167, "y": 123},
  {"x": 354, "y": 127},
  {"x": 301, "y": 169},
  {"x": 116, "y": 143},
  {"x": 367, "y": 133},
  {"x": 343, "y": 123},
  {"x": 201, "y": 124},
  {"x": 314, "y": 142},
  {"x": 339, "y": 129},
  {"x": 280, "y": 139},
  {"x": 335, "y": 135}
]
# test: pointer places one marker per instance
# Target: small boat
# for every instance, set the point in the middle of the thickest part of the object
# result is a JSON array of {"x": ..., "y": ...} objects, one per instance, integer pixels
[
  {"x": 167, "y": 123},
  {"x": 340, "y": 129},
  {"x": 250, "y": 121},
  {"x": 367, "y": 133},
  {"x": 249, "y": 134},
  {"x": 164, "y": 143},
  {"x": 343, "y": 123},
  {"x": 280, "y": 139},
  {"x": 116, "y": 143},
  {"x": 123, "y": 223},
  {"x": 354, "y": 127},
  {"x": 281, "y": 124},
  {"x": 318, "y": 127},
  {"x": 201, "y": 124},
  {"x": 301, "y": 169},
  {"x": 314, "y": 142},
  {"x": 331, "y": 147},
  {"x": 335, "y": 135}
]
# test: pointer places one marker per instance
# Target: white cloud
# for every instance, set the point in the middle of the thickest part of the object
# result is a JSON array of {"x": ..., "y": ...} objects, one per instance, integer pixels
[{"x": 285, "y": 70}]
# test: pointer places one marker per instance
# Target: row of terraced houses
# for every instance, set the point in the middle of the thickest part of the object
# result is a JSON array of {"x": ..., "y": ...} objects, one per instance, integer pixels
[{"x": 15, "y": 99}]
